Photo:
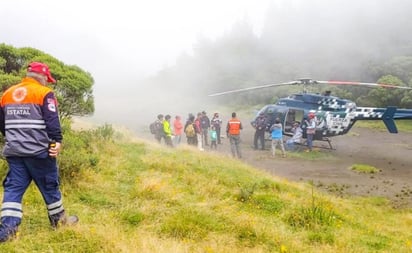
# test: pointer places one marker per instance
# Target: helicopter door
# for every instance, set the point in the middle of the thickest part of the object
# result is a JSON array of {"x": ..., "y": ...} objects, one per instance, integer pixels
[{"x": 292, "y": 115}]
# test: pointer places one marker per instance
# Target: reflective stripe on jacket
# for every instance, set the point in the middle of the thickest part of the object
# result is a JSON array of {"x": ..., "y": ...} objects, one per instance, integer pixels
[
  {"x": 29, "y": 119},
  {"x": 234, "y": 126}
]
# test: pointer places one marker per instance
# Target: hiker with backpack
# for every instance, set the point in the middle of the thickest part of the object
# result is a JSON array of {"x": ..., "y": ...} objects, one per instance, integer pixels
[
  {"x": 156, "y": 128},
  {"x": 190, "y": 131},
  {"x": 260, "y": 126}
]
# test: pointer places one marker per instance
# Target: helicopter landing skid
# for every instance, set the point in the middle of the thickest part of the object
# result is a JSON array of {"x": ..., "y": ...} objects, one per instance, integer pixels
[
  {"x": 304, "y": 143},
  {"x": 324, "y": 139}
]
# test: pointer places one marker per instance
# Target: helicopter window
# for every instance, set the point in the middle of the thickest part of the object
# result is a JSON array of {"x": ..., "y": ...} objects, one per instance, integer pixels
[
  {"x": 291, "y": 117},
  {"x": 270, "y": 110}
]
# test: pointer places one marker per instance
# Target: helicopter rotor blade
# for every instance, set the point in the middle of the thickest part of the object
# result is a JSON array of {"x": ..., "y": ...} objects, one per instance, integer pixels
[
  {"x": 391, "y": 86},
  {"x": 254, "y": 88}
]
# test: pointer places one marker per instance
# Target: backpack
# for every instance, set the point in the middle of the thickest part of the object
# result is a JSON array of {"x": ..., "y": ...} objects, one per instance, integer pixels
[
  {"x": 152, "y": 128},
  {"x": 155, "y": 127},
  {"x": 190, "y": 131}
]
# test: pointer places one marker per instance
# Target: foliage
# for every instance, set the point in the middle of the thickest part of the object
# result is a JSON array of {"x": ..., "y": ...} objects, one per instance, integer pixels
[
  {"x": 73, "y": 88},
  {"x": 79, "y": 149}
]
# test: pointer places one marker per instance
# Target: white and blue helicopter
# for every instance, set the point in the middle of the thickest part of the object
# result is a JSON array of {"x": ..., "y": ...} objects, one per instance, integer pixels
[{"x": 334, "y": 116}]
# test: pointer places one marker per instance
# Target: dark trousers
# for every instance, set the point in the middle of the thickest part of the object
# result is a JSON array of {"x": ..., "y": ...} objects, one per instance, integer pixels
[
  {"x": 235, "y": 145},
  {"x": 259, "y": 136},
  {"x": 205, "y": 136},
  {"x": 218, "y": 135}
]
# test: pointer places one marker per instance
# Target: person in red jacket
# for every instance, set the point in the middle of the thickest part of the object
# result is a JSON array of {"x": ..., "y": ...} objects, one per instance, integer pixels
[
  {"x": 30, "y": 123},
  {"x": 178, "y": 130},
  {"x": 233, "y": 132}
]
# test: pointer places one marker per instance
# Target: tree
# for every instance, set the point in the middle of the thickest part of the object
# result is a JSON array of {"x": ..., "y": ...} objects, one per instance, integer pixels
[
  {"x": 73, "y": 88},
  {"x": 383, "y": 97}
]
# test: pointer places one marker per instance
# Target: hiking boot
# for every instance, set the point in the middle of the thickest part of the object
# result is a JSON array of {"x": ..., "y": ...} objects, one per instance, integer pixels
[
  {"x": 61, "y": 219},
  {"x": 7, "y": 233}
]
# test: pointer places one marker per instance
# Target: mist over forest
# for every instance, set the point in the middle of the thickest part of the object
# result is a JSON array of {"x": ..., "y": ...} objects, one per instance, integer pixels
[{"x": 324, "y": 40}]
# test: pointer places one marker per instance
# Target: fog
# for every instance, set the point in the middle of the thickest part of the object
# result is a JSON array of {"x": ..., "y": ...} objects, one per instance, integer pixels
[{"x": 151, "y": 57}]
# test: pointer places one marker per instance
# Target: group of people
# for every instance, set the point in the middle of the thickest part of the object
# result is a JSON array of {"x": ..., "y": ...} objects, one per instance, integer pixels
[
  {"x": 276, "y": 132},
  {"x": 199, "y": 131}
]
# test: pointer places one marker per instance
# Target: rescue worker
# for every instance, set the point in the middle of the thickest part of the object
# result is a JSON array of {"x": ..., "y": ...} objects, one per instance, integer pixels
[
  {"x": 30, "y": 123},
  {"x": 233, "y": 133}
]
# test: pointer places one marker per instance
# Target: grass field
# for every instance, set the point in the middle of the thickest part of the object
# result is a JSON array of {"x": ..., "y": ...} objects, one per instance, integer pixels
[{"x": 142, "y": 197}]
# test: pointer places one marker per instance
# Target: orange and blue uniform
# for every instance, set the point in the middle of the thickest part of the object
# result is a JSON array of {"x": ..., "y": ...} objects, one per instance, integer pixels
[
  {"x": 233, "y": 131},
  {"x": 29, "y": 121}
]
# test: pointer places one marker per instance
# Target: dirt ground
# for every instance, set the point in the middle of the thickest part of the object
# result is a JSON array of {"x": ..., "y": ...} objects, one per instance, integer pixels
[{"x": 390, "y": 153}]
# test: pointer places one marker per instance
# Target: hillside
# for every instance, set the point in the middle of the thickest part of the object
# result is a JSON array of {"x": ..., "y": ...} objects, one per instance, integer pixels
[{"x": 142, "y": 197}]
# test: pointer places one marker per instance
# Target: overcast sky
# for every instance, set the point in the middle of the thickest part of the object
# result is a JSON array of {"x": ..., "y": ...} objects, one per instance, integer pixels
[
  {"x": 130, "y": 39},
  {"x": 145, "y": 34}
]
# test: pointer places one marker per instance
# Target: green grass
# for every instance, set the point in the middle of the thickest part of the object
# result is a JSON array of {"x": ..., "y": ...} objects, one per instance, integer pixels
[
  {"x": 142, "y": 197},
  {"x": 402, "y": 125},
  {"x": 364, "y": 168}
]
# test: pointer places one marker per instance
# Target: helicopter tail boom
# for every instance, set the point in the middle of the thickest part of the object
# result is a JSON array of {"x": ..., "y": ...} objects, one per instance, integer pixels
[{"x": 387, "y": 115}]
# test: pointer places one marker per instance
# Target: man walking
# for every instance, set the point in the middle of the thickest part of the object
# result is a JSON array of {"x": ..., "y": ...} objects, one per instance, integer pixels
[
  {"x": 233, "y": 132},
  {"x": 30, "y": 123}
]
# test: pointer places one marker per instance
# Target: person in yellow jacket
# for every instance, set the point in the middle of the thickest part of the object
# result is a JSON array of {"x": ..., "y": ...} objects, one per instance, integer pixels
[
  {"x": 233, "y": 132},
  {"x": 167, "y": 130}
]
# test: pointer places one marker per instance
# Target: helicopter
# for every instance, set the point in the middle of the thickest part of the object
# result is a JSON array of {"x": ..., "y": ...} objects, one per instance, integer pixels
[{"x": 334, "y": 116}]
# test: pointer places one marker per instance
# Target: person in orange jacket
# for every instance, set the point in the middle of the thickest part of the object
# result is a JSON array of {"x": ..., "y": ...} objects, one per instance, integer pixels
[
  {"x": 30, "y": 123},
  {"x": 233, "y": 132}
]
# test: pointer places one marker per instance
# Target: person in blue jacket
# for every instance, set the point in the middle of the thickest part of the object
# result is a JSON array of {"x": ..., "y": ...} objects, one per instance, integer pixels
[{"x": 277, "y": 137}]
